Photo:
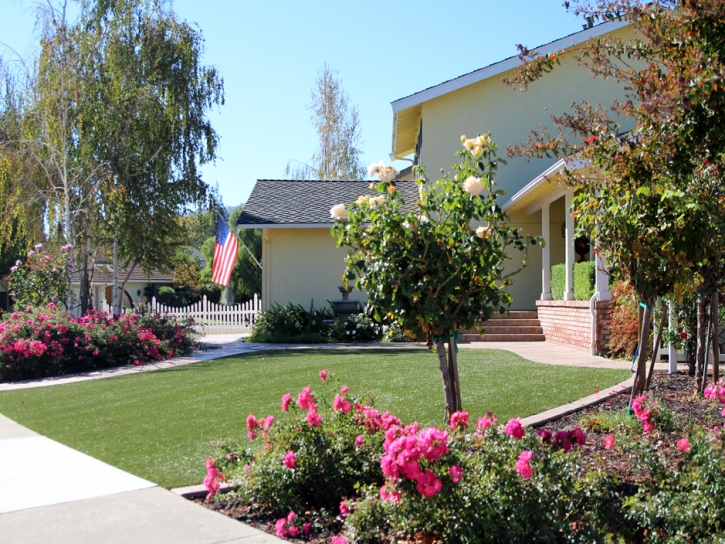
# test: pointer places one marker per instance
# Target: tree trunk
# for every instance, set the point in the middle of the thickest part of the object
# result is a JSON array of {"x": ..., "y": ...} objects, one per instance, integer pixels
[
  {"x": 701, "y": 339},
  {"x": 714, "y": 318},
  {"x": 116, "y": 297},
  {"x": 453, "y": 370},
  {"x": 656, "y": 348},
  {"x": 445, "y": 374},
  {"x": 640, "y": 378}
]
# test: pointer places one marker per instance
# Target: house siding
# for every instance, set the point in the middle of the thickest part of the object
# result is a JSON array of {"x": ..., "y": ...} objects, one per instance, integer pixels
[{"x": 302, "y": 266}]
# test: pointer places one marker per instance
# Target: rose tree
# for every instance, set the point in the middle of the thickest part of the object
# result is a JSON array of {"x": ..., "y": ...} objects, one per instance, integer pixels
[{"x": 435, "y": 265}]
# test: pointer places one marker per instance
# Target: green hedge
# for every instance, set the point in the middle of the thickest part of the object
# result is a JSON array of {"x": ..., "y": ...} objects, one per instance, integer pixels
[
  {"x": 558, "y": 281},
  {"x": 583, "y": 280}
]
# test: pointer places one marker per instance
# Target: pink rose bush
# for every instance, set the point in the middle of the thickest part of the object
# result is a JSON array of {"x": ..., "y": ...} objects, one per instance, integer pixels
[
  {"x": 40, "y": 342},
  {"x": 333, "y": 452}
]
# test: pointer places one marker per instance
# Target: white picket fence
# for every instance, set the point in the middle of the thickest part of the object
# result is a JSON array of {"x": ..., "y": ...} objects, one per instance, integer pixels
[{"x": 209, "y": 317}]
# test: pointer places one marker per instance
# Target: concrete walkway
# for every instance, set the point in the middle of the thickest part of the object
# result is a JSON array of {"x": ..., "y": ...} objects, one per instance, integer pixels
[{"x": 52, "y": 493}]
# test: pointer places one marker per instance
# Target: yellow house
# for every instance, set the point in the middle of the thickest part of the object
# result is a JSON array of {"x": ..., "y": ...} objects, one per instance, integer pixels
[
  {"x": 300, "y": 263},
  {"x": 427, "y": 126}
]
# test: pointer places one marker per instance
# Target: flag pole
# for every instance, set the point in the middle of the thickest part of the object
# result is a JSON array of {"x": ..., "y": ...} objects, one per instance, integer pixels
[{"x": 239, "y": 240}]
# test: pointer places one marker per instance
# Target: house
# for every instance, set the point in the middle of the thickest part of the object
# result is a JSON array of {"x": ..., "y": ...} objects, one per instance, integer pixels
[
  {"x": 136, "y": 289},
  {"x": 300, "y": 261},
  {"x": 427, "y": 126}
]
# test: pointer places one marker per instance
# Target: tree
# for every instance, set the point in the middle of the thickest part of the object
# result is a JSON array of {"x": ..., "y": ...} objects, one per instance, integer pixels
[
  {"x": 144, "y": 116},
  {"x": 636, "y": 201},
  {"x": 338, "y": 129},
  {"x": 431, "y": 270}
]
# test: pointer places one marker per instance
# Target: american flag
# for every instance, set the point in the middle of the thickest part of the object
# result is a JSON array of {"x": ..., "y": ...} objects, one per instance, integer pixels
[{"x": 225, "y": 254}]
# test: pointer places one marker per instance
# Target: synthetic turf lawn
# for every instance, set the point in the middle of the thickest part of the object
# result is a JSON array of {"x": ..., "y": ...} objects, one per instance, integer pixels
[{"x": 158, "y": 425}]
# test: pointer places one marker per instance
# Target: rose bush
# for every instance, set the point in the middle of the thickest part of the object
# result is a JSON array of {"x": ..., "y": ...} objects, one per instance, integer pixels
[
  {"x": 42, "y": 278},
  {"x": 48, "y": 342},
  {"x": 333, "y": 454}
]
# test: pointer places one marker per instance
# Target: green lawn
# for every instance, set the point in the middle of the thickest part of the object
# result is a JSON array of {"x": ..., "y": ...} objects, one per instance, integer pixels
[{"x": 158, "y": 424}]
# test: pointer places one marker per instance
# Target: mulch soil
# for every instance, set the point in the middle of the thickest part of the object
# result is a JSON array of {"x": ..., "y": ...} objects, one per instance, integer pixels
[{"x": 675, "y": 391}]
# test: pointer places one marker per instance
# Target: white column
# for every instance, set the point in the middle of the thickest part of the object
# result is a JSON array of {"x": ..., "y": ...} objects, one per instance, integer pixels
[
  {"x": 569, "y": 289},
  {"x": 545, "y": 254},
  {"x": 672, "y": 350},
  {"x": 601, "y": 279}
]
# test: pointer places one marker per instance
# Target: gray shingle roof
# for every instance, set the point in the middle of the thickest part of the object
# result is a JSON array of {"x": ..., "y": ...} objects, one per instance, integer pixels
[{"x": 292, "y": 202}]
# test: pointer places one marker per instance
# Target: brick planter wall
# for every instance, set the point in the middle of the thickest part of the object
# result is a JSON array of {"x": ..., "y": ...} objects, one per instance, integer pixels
[{"x": 569, "y": 322}]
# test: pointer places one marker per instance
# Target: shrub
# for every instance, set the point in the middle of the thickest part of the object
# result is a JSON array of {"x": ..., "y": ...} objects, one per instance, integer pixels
[
  {"x": 36, "y": 344},
  {"x": 43, "y": 278},
  {"x": 557, "y": 281},
  {"x": 406, "y": 480},
  {"x": 624, "y": 321},
  {"x": 584, "y": 280},
  {"x": 356, "y": 328},
  {"x": 290, "y": 324}
]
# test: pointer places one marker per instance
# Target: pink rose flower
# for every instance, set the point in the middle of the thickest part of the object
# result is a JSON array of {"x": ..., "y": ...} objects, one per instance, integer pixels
[
  {"x": 313, "y": 418},
  {"x": 305, "y": 400},
  {"x": 290, "y": 460},
  {"x": 339, "y": 540},
  {"x": 344, "y": 508},
  {"x": 280, "y": 527},
  {"x": 514, "y": 428},
  {"x": 522, "y": 465},
  {"x": 609, "y": 442},
  {"x": 323, "y": 375},
  {"x": 683, "y": 444},
  {"x": 344, "y": 389},
  {"x": 456, "y": 473},
  {"x": 339, "y": 404},
  {"x": 307, "y": 528},
  {"x": 459, "y": 419},
  {"x": 286, "y": 401},
  {"x": 359, "y": 440}
]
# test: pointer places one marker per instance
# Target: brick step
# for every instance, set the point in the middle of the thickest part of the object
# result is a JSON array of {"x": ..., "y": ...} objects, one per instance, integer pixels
[
  {"x": 518, "y": 314},
  {"x": 512, "y": 323},
  {"x": 503, "y": 338},
  {"x": 509, "y": 330}
]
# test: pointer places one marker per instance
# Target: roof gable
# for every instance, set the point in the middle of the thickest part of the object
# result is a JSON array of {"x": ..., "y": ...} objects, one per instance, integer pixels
[
  {"x": 306, "y": 203},
  {"x": 407, "y": 110}
]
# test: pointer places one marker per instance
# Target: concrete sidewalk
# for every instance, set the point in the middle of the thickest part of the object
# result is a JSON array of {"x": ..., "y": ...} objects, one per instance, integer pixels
[{"x": 52, "y": 493}]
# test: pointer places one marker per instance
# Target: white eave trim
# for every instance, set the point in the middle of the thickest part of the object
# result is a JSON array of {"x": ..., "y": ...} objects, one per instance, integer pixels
[
  {"x": 554, "y": 169},
  {"x": 286, "y": 226},
  {"x": 503, "y": 66}
]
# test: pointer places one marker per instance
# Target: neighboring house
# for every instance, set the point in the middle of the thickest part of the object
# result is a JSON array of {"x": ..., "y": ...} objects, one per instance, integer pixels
[
  {"x": 134, "y": 290},
  {"x": 428, "y": 126},
  {"x": 300, "y": 261}
]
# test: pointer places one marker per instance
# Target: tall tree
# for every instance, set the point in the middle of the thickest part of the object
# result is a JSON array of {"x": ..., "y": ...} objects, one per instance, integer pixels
[
  {"x": 337, "y": 124},
  {"x": 637, "y": 201},
  {"x": 145, "y": 117}
]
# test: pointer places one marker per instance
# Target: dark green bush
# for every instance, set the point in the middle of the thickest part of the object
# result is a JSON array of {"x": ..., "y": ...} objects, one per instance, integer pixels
[
  {"x": 584, "y": 279},
  {"x": 292, "y": 324},
  {"x": 558, "y": 281}
]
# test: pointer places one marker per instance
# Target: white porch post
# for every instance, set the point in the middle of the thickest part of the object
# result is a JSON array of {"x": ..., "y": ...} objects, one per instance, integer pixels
[
  {"x": 602, "y": 279},
  {"x": 545, "y": 254},
  {"x": 672, "y": 350},
  {"x": 569, "y": 289}
]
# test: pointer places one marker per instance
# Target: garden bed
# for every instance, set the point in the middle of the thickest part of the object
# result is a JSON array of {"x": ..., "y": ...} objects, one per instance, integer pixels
[{"x": 613, "y": 453}]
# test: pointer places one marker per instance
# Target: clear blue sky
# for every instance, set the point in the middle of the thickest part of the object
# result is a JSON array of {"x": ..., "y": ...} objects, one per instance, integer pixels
[{"x": 270, "y": 51}]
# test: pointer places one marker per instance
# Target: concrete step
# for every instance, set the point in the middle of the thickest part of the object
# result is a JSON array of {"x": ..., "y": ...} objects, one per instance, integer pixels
[{"x": 503, "y": 338}]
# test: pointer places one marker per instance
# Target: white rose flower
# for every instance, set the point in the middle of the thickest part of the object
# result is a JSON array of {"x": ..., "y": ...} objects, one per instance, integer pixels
[
  {"x": 338, "y": 211},
  {"x": 377, "y": 201},
  {"x": 361, "y": 199},
  {"x": 388, "y": 173},
  {"x": 424, "y": 219},
  {"x": 374, "y": 167},
  {"x": 483, "y": 232},
  {"x": 473, "y": 186}
]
